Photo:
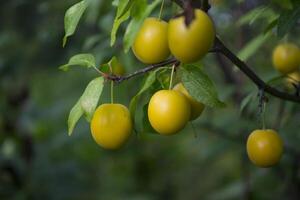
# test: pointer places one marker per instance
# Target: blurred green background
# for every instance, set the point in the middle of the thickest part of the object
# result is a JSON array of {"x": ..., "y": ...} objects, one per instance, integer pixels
[{"x": 207, "y": 160}]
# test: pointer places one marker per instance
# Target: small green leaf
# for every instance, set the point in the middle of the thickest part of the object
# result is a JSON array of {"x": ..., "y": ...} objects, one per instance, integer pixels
[
  {"x": 251, "y": 47},
  {"x": 199, "y": 86},
  {"x": 72, "y": 17},
  {"x": 277, "y": 80},
  {"x": 125, "y": 8},
  {"x": 115, "y": 3},
  {"x": 246, "y": 101},
  {"x": 271, "y": 25},
  {"x": 90, "y": 97},
  {"x": 257, "y": 14},
  {"x": 122, "y": 15},
  {"x": 112, "y": 63},
  {"x": 251, "y": 16},
  {"x": 287, "y": 20},
  {"x": 86, "y": 104},
  {"x": 147, "y": 128},
  {"x": 83, "y": 60},
  {"x": 139, "y": 12},
  {"x": 147, "y": 84},
  {"x": 75, "y": 114},
  {"x": 163, "y": 78}
]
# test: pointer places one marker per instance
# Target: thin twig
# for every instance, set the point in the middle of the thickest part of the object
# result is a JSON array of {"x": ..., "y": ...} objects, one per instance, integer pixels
[{"x": 119, "y": 79}]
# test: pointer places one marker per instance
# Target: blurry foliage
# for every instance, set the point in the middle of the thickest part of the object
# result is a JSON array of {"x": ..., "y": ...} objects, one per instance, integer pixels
[{"x": 38, "y": 160}]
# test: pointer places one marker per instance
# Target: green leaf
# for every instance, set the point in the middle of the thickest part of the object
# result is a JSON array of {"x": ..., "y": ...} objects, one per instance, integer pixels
[
  {"x": 147, "y": 84},
  {"x": 115, "y": 3},
  {"x": 90, "y": 97},
  {"x": 163, "y": 78},
  {"x": 126, "y": 7},
  {"x": 271, "y": 25},
  {"x": 199, "y": 86},
  {"x": 246, "y": 101},
  {"x": 83, "y": 60},
  {"x": 147, "y": 128},
  {"x": 250, "y": 16},
  {"x": 72, "y": 17},
  {"x": 86, "y": 104},
  {"x": 262, "y": 12},
  {"x": 139, "y": 12},
  {"x": 251, "y": 47},
  {"x": 287, "y": 20},
  {"x": 276, "y": 80},
  {"x": 75, "y": 114},
  {"x": 122, "y": 15},
  {"x": 113, "y": 63}
]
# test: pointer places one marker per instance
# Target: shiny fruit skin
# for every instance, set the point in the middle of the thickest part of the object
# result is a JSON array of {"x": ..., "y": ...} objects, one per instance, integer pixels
[
  {"x": 196, "y": 107},
  {"x": 111, "y": 125},
  {"x": 189, "y": 44},
  {"x": 168, "y": 111},
  {"x": 151, "y": 43},
  {"x": 264, "y": 147},
  {"x": 286, "y": 58}
]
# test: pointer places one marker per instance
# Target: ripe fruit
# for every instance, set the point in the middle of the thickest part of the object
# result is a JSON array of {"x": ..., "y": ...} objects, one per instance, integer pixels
[
  {"x": 189, "y": 44},
  {"x": 151, "y": 44},
  {"x": 264, "y": 147},
  {"x": 286, "y": 58},
  {"x": 196, "y": 107},
  {"x": 168, "y": 111},
  {"x": 111, "y": 125}
]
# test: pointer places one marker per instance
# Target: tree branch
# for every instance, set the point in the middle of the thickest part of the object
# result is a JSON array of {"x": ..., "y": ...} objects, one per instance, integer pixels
[
  {"x": 221, "y": 48},
  {"x": 218, "y": 48},
  {"x": 119, "y": 79}
]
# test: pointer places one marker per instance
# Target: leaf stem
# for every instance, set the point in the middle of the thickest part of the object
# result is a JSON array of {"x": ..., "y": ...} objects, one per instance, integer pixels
[
  {"x": 111, "y": 92},
  {"x": 263, "y": 115},
  {"x": 100, "y": 72},
  {"x": 161, "y": 9},
  {"x": 111, "y": 84},
  {"x": 171, "y": 79}
]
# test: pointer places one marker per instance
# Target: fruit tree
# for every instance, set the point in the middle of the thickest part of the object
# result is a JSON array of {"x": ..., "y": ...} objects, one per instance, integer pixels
[
  {"x": 153, "y": 99},
  {"x": 196, "y": 88},
  {"x": 174, "y": 51}
]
